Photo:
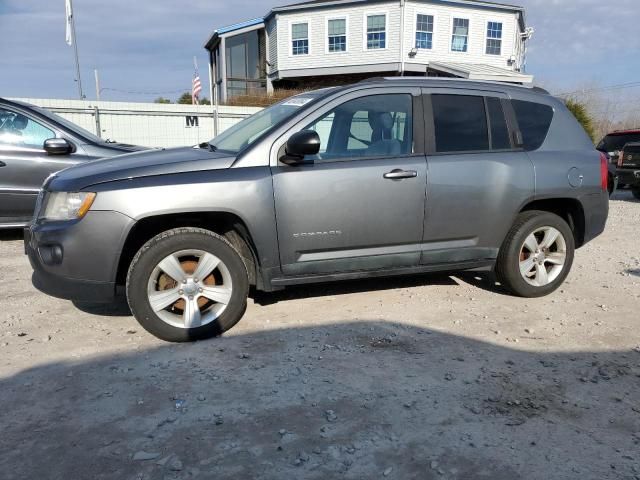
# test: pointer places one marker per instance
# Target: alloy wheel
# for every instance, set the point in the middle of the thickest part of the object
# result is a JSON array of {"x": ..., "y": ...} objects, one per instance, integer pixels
[{"x": 189, "y": 289}]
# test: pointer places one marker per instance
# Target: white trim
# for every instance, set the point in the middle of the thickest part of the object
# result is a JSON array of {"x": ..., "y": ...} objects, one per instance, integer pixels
[
  {"x": 368, "y": 14},
  {"x": 486, "y": 38},
  {"x": 326, "y": 33},
  {"x": 460, "y": 17},
  {"x": 298, "y": 21},
  {"x": 240, "y": 31},
  {"x": 415, "y": 30}
]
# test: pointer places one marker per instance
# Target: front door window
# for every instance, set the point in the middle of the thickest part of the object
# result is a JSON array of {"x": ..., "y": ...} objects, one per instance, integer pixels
[
  {"x": 373, "y": 126},
  {"x": 17, "y": 130}
]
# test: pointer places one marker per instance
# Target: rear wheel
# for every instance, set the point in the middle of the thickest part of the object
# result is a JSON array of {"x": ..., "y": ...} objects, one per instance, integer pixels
[
  {"x": 537, "y": 254},
  {"x": 187, "y": 284}
]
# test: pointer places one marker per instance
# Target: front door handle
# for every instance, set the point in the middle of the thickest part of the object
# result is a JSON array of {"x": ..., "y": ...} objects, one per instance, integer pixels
[
  {"x": 400, "y": 174},
  {"x": 2, "y": 164}
]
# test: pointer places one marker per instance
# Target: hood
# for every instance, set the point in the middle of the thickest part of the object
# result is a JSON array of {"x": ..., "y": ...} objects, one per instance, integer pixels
[{"x": 136, "y": 165}]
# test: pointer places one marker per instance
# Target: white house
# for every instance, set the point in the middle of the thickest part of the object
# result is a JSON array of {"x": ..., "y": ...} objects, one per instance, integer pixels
[{"x": 330, "y": 42}]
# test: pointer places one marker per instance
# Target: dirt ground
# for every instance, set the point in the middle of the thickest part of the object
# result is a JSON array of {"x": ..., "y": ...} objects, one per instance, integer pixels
[{"x": 427, "y": 377}]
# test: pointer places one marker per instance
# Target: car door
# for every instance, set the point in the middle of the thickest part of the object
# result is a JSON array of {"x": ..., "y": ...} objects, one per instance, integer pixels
[
  {"x": 478, "y": 177},
  {"x": 24, "y": 165},
  {"x": 360, "y": 205}
]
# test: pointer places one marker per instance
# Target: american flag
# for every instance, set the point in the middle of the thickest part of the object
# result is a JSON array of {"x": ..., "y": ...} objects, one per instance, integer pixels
[{"x": 196, "y": 88}]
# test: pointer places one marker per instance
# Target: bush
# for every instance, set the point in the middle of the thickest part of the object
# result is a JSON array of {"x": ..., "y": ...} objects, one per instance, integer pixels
[{"x": 581, "y": 113}]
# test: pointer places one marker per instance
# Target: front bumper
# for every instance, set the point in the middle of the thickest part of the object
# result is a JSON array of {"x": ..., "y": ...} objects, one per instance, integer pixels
[{"x": 77, "y": 260}]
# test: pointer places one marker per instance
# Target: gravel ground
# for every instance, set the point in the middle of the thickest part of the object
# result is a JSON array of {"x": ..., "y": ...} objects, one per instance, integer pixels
[{"x": 430, "y": 377}]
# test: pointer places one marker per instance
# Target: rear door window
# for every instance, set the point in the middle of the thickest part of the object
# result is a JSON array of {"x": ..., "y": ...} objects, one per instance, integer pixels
[
  {"x": 460, "y": 123},
  {"x": 534, "y": 120},
  {"x": 499, "y": 131}
]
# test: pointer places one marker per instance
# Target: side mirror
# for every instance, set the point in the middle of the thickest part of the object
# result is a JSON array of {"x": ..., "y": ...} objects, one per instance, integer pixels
[
  {"x": 301, "y": 144},
  {"x": 57, "y": 146}
]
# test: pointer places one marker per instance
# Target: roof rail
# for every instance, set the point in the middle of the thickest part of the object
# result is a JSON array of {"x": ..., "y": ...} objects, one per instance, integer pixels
[{"x": 492, "y": 82}]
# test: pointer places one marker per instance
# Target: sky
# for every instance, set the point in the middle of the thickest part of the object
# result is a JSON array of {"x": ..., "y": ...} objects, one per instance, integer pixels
[{"x": 144, "y": 48}]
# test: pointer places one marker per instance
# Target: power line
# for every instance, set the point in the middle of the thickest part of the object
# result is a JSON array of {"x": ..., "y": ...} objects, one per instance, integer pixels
[
  {"x": 182, "y": 90},
  {"x": 620, "y": 86}
]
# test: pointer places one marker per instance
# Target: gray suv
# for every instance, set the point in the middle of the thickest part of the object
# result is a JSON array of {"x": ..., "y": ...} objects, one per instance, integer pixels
[
  {"x": 385, "y": 177},
  {"x": 34, "y": 143}
]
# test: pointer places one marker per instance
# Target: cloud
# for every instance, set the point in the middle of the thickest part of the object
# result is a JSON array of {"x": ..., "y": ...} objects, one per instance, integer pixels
[{"x": 148, "y": 45}]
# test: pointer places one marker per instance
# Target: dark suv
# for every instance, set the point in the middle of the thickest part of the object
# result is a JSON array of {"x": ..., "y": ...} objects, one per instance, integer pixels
[
  {"x": 623, "y": 148},
  {"x": 34, "y": 143},
  {"x": 385, "y": 177}
]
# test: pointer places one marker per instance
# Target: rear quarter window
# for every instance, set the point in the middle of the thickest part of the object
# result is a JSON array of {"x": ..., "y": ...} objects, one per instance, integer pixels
[{"x": 534, "y": 120}]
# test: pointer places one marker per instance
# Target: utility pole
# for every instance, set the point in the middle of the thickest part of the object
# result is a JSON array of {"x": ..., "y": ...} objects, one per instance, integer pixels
[
  {"x": 73, "y": 40},
  {"x": 95, "y": 72}
]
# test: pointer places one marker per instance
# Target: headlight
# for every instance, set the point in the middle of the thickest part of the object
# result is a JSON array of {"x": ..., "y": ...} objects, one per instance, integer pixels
[{"x": 67, "y": 206}]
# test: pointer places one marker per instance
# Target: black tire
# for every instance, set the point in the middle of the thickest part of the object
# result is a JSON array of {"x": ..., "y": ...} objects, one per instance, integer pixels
[
  {"x": 611, "y": 185},
  {"x": 636, "y": 193},
  {"x": 508, "y": 263},
  {"x": 163, "y": 245}
]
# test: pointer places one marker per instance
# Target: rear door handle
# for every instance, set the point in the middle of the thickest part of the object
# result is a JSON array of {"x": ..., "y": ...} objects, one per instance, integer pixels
[
  {"x": 2, "y": 164},
  {"x": 400, "y": 174}
]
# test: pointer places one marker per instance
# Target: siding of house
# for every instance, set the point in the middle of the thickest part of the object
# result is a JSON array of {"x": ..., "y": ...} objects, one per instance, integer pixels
[
  {"x": 443, "y": 24},
  {"x": 357, "y": 53},
  {"x": 272, "y": 47}
]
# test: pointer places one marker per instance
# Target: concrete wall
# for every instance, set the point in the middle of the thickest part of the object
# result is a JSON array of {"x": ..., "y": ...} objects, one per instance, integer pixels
[{"x": 147, "y": 124}]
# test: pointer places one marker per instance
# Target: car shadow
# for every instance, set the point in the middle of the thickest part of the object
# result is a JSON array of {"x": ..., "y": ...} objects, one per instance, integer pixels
[
  {"x": 11, "y": 235},
  {"x": 624, "y": 195},
  {"x": 483, "y": 280},
  {"x": 117, "y": 308},
  {"x": 343, "y": 399}
]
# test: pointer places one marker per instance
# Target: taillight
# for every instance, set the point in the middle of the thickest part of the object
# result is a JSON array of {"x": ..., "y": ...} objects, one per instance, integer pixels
[{"x": 604, "y": 172}]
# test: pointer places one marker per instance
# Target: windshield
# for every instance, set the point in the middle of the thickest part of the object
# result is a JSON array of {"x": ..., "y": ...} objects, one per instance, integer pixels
[
  {"x": 243, "y": 134},
  {"x": 615, "y": 143},
  {"x": 69, "y": 125}
]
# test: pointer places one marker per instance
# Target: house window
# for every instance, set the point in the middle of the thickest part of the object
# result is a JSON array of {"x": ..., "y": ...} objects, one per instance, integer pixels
[
  {"x": 494, "y": 38},
  {"x": 376, "y": 32},
  {"x": 424, "y": 32},
  {"x": 300, "y": 38},
  {"x": 460, "y": 37},
  {"x": 337, "y": 31}
]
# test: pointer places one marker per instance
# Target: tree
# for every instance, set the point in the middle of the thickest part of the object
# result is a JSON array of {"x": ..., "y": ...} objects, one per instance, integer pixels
[
  {"x": 162, "y": 100},
  {"x": 185, "y": 99},
  {"x": 581, "y": 113}
]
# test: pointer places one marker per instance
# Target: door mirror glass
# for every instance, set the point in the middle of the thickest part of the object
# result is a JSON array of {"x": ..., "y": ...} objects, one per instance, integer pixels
[
  {"x": 300, "y": 145},
  {"x": 57, "y": 146}
]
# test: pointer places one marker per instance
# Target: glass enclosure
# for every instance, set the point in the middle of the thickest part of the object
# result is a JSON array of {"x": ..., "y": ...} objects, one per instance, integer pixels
[{"x": 245, "y": 64}]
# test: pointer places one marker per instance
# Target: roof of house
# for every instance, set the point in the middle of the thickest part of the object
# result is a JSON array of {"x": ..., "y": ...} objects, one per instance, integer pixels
[
  {"x": 312, "y": 3},
  {"x": 481, "y": 72}
]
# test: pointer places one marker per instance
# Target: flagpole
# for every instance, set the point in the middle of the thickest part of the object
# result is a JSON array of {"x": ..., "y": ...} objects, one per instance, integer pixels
[{"x": 75, "y": 49}]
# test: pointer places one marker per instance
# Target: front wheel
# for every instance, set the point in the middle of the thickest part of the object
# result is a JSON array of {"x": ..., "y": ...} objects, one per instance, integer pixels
[
  {"x": 636, "y": 193},
  {"x": 187, "y": 284},
  {"x": 537, "y": 254}
]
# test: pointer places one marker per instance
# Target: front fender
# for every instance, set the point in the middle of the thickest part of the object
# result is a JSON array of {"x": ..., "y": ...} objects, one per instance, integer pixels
[{"x": 244, "y": 192}]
